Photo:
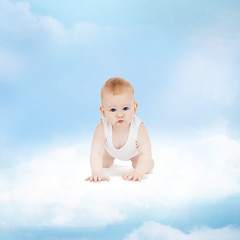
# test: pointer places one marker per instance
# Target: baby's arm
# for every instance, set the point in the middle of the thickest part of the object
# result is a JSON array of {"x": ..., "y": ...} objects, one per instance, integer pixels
[
  {"x": 144, "y": 159},
  {"x": 96, "y": 158}
]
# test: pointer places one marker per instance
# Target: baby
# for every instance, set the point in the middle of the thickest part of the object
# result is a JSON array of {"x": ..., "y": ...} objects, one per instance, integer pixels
[{"x": 120, "y": 133}]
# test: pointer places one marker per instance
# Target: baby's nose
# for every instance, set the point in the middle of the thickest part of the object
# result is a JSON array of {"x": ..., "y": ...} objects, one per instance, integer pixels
[{"x": 120, "y": 113}]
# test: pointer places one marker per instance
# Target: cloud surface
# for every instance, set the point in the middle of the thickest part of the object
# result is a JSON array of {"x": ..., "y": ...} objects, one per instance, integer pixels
[
  {"x": 154, "y": 231},
  {"x": 49, "y": 188}
]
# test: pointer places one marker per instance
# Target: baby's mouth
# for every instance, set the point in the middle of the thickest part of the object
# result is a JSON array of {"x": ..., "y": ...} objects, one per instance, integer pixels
[{"x": 120, "y": 121}]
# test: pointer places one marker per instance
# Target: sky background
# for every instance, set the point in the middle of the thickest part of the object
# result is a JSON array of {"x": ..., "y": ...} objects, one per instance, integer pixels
[{"x": 182, "y": 57}]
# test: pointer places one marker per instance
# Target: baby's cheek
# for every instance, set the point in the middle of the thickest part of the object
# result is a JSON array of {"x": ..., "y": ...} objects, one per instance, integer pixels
[{"x": 110, "y": 120}]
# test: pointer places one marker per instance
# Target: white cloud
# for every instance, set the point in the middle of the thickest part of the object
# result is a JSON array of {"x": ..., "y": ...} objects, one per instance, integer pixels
[
  {"x": 48, "y": 189},
  {"x": 51, "y": 191},
  {"x": 17, "y": 21},
  {"x": 155, "y": 231},
  {"x": 205, "y": 76},
  {"x": 206, "y": 168},
  {"x": 53, "y": 27},
  {"x": 31, "y": 43}
]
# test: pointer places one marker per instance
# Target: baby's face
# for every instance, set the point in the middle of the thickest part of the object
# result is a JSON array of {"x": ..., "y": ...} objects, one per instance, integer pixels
[{"x": 118, "y": 109}]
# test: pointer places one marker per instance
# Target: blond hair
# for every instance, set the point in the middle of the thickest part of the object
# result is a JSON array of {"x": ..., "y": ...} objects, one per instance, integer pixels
[{"x": 117, "y": 86}]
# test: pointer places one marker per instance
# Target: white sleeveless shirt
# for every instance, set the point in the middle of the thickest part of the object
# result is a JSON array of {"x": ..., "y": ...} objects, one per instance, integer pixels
[{"x": 129, "y": 150}]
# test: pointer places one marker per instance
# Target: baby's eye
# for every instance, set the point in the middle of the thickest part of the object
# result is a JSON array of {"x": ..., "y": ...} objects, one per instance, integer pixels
[
  {"x": 125, "y": 108},
  {"x": 113, "y": 110}
]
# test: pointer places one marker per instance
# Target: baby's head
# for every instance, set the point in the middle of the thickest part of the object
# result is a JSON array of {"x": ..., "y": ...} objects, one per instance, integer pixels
[
  {"x": 118, "y": 101},
  {"x": 116, "y": 86}
]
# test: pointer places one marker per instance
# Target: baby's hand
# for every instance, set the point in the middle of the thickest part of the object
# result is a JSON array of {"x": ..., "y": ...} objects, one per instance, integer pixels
[
  {"x": 134, "y": 176},
  {"x": 98, "y": 177}
]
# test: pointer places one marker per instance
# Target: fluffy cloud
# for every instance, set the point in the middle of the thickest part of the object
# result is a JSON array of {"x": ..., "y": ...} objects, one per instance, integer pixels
[
  {"x": 154, "y": 230},
  {"x": 200, "y": 169},
  {"x": 205, "y": 77},
  {"x": 51, "y": 191},
  {"x": 49, "y": 188},
  {"x": 34, "y": 36}
]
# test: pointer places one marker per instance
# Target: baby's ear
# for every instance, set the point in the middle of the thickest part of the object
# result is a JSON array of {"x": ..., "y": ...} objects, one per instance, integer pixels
[
  {"x": 135, "y": 107},
  {"x": 102, "y": 111}
]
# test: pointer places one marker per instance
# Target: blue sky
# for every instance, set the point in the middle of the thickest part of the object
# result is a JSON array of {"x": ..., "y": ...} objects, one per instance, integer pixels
[{"x": 182, "y": 58}]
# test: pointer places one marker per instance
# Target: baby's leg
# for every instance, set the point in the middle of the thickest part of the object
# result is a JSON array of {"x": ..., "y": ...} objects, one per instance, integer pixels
[
  {"x": 107, "y": 160},
  {"x": 135, "y": 162}
]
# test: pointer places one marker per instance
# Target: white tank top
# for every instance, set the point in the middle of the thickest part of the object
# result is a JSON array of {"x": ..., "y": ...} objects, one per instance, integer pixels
[{"x": 129, "y": 150}]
